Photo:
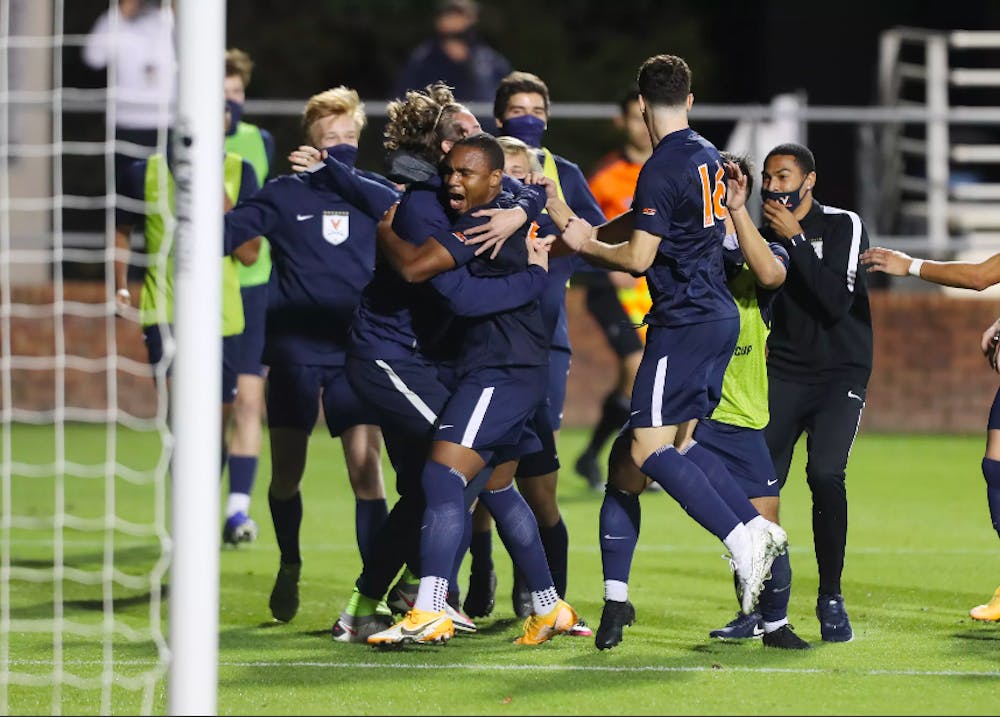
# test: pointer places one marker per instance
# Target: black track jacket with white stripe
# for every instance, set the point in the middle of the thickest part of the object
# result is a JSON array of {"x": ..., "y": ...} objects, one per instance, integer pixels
[{"x": 822, "y": 329}]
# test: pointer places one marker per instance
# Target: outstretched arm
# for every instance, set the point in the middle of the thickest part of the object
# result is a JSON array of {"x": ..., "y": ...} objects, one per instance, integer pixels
[{"x": 959, "y": 274}]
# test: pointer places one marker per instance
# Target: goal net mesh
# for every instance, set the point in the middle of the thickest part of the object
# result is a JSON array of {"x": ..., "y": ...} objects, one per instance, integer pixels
[{"x": 85, "y": 443}]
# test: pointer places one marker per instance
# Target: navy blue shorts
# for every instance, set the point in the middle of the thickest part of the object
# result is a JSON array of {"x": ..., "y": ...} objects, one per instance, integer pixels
[
  {"x": 408, "y": 396},
  {"x": 745, "y": 453},
  {"x": 558, "y": 374},
  {"x": 251, "y": 347},
  {"x": 490, "y": 408},
  {"x": 680, "y": 377},
  {"x": 994, "y": 421},
  {"x": 153, "y": 337},
  {"x": 294, "y": 393},
  {"x": 546, "y": 460}
]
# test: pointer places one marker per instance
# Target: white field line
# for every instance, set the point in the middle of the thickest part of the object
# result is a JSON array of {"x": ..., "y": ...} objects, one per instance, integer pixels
[{"x": 481, "y": 667}]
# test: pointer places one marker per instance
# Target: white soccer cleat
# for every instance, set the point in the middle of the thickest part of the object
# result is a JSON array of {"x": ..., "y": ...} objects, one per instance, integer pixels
[
  {"x": 351, "y": 628},
  {"x": 767, "y": 543},
  {"x": 461, "y": 621}
]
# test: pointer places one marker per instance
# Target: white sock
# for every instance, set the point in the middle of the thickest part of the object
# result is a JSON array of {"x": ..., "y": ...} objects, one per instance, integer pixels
[
  {"x": 758, "y": 523},
  {"x": 543, "y": 601},
  {"x": 615, "y": 590},
  {"x": 772, "y": 626},
  {"x": 740, "y": 547},
  {"x": 431, "y": 594},
  {"x": 237, "y": 503}
]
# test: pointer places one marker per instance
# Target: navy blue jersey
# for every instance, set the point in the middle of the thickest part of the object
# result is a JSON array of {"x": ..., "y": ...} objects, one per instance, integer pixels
[
  {"x": 323, "y": 250},
  {"x": 679, "y": 197},
  {"x": 515, "y": 337},
  {"x": 395, "y": 319}
]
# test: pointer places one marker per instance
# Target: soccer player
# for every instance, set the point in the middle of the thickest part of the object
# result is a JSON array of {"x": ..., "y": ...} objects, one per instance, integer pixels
[
  {"x": 964, "y": 275},
  {"x": 396, "y": 349},
  {"x": 502, "y": 370},
  {"x": 674, "y": 235},
  {"x": 521, "y": 110},
  {"x": 617, "y": 300},
  {"x": 150, "y": 182},
  {"x": 323, "y": 249},
  {"x": 819, "y": 357},
  {"x": 734, "y": 432},
  {"x": 256, "y": 145}
]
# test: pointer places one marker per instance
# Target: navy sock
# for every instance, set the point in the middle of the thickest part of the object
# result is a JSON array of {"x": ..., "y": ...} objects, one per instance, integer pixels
[
  {"x": 454, "y": 593},
  {"x": 286, "y": 515},
  {"x": 242, "y": 471},
  {"x": 369, "y": 515},
  {"x": 777, "y": 590},
  {"x": 722, "y": 480},
  {"x": 518, "y": 530},
  {"x": 444, "y": 519},
  {"x": 481, "y": 549},
  {"x": 555, "y": 543},
  {"x": 619, "y": 523},
  {"x": 991, "y": 472},
  {"x": 685, "y": 482}
]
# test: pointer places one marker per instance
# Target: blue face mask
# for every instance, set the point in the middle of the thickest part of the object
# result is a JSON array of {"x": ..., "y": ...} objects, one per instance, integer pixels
[
  {"x": 527, "y": 128},
  {"x": 346, "y": 153},
  {"x": 789, "y": 199},
  {"x": 235, "y": 114}
]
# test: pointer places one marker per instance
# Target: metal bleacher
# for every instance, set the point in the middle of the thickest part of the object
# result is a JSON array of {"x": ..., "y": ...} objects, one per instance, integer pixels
[{"x": 939, "y": 173}]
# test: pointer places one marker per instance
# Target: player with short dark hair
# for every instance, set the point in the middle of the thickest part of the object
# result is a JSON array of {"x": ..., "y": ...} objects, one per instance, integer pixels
[
  {"x": 819, "y": 356},
  {"x": 674, "y": 235},
  {"x": 502, "y": 372}
]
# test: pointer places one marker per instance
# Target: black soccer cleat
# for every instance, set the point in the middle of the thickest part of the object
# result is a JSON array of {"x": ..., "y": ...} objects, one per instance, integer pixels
[
  {"x": 481, "y": 598},
  {"x": 520, "y": 597},
  {"x": 284, "y": 601},
  {"x": 615, "y": 617},
  {"x": 784, "y": 638}
]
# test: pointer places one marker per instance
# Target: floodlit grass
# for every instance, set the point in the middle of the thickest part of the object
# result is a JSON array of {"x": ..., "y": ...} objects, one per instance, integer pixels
[{"x": 921, "y": 552}]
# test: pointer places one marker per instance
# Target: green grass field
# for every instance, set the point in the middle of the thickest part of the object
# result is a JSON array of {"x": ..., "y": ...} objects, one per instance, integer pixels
[{"x": 921, "y": 552}]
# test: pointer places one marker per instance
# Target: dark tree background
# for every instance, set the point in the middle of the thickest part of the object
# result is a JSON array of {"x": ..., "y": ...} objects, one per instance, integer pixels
[{"x": 586, "y": 50}]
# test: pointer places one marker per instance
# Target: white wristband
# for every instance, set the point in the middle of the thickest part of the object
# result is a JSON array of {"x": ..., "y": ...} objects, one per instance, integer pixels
[{"x": 915, "y": 265}]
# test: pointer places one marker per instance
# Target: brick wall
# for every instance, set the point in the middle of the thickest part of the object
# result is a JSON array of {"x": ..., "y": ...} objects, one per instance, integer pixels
[{"x": 929, "y": 375}]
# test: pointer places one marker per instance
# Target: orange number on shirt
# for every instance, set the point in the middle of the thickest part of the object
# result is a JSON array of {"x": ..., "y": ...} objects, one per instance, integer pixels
[{"x": 712, "y": 197}]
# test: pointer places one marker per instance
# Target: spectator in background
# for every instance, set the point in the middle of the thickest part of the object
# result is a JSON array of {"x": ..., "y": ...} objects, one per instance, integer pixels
[
  {"x": 134, "y": 41},
  {"x": 617, "y": 300},
  {"x": 455, "y": 56},
  {"x": 255, "y": 145}
]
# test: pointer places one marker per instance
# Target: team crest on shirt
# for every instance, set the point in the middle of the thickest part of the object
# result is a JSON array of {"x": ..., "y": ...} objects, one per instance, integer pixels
[
  {"x": 336, "y": 226},
  {"x": 649, "y": 212}
]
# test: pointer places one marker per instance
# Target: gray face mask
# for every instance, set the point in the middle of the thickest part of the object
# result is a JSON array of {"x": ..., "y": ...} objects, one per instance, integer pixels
[{"x": 405, "y": 168}]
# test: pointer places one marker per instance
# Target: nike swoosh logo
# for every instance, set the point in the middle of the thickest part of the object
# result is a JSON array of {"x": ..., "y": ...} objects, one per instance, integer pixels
[
  {"x": 414, "y": 633},
  {"x": 758, "y": 631},
  {"x": 772, "y": 482},
  {"x": 303, "y": 217},
  {"x": 446, "y": 425},
  {"x": 634, "y": 412},
  {"x": 615, "y": 537},
  {"x": 851, "y": 394}
]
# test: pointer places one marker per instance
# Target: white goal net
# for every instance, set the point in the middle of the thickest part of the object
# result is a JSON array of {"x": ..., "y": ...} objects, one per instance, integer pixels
[{"x": 90, "y": 534}]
